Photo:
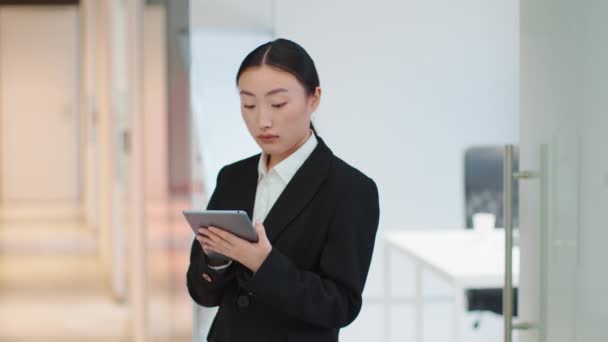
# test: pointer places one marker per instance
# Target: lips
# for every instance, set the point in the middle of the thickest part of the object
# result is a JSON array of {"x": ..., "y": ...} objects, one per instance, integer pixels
[{"x": 267, "y": 137}]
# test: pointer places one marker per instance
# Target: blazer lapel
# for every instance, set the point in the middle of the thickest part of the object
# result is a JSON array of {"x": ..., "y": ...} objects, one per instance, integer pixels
[
  {"x": 247, "y": 187},
  {"x": 299, "y": 191}
]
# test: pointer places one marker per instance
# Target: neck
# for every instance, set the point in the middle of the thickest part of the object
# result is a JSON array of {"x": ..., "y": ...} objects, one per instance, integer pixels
[{"x": 273, "y": 160}]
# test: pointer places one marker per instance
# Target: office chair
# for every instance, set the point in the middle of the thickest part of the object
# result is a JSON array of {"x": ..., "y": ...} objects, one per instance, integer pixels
[{"x": 483, "y": 188}]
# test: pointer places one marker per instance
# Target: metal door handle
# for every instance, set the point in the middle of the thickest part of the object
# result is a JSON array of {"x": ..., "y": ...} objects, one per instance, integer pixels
[
  {"x": 524, "y": 325},
  {"x": 507, "y": 295}
]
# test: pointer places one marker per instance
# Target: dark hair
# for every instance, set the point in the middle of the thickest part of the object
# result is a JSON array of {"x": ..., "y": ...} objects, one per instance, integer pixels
[{"x": 288, "y": 56}]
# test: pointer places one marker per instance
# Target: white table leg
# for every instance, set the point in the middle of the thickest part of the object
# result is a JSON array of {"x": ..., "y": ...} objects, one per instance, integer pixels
[
  {"x": 459, "y": 310},
  {"x": 387, "y": 292},
  {"x": 419, "y": 304}
]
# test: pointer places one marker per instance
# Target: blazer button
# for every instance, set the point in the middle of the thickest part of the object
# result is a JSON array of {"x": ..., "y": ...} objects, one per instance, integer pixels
[
  {"x": 242, "y": 301},
  {"x": 207, "y": 277}
]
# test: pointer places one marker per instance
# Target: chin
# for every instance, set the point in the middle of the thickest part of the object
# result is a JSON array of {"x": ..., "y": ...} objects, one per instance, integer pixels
[{"x": 273, "y": 149}]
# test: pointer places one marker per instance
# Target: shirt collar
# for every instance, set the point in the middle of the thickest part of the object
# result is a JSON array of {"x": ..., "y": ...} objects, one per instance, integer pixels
[{"x": 288, "y": 167}]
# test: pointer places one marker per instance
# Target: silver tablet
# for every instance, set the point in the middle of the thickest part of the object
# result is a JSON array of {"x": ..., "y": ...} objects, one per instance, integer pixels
[{"x": 234, "y": 221}]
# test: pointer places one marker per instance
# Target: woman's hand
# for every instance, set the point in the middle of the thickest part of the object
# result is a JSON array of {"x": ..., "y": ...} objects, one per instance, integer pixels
[{"x": 250, "y": 254}]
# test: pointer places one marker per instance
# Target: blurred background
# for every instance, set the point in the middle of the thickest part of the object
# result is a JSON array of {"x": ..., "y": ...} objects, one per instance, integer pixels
[{"x": 116, "y": 115}]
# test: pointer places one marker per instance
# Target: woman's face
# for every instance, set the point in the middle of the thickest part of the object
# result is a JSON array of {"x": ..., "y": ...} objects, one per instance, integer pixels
[{"x": 276, "y": 109}]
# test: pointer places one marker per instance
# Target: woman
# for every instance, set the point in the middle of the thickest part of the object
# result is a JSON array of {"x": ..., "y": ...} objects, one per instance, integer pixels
[{"x": 315, "y": 215}]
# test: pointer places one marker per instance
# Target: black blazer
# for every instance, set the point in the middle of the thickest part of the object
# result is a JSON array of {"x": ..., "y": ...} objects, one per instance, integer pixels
[{"x": 322, "y": 230}]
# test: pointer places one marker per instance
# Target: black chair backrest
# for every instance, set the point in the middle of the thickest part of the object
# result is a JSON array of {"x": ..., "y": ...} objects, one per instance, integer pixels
[{"x": 483, "y": 183}]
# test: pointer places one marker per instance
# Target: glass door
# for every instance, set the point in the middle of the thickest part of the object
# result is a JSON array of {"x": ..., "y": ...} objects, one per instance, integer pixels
[{"x": 563, "y": 197}]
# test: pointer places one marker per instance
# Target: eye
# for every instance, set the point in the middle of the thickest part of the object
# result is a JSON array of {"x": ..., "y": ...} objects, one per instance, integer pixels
[
  {"x": 249, "y": 106},
  {"x": 279, "y": 105}
]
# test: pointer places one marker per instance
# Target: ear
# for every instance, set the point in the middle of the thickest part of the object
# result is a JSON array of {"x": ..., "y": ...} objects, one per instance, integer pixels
[{"x": 315, "y": 99}]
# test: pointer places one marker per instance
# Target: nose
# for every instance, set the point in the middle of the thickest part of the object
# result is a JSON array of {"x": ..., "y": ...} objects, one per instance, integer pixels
[{"x": 264, "y": 118}]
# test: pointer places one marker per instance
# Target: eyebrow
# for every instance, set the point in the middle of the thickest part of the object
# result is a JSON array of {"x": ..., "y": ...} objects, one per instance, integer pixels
[{"x": 272, "y": 92}]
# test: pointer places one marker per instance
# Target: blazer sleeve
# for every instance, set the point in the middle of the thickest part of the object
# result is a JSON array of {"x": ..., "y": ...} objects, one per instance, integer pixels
[
  {"x": 331, "y": 297},
  {"x": 206, "y": 285}
]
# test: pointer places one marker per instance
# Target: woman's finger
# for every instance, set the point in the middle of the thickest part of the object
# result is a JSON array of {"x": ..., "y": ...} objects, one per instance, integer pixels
[
  {"x": 229, "y": 238},
  {"x": 211, "y": 249},
  {"x": 219, "y": 244},
  {"x": 210, "y": 234},
  {"x": 215, "y": 243},
  {"x": 204, "y": 240},
  {"x": 207, "y": 230},
  {"x": 259, "y": 228},
  {"x": 210, "y": 246},
  {"x": 207, "y": 249}
]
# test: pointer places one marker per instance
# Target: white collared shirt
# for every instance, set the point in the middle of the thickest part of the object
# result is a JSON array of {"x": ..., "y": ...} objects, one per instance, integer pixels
[{"x": 272, "y": 183}]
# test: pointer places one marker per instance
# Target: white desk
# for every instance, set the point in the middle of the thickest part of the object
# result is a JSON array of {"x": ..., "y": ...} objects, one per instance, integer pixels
[{"x": 464, "y": 258}]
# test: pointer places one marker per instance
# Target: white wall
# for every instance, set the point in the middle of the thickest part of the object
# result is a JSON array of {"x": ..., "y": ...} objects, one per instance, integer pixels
[
  {"x": 219, "y": 129},
  {"x": 231, "y": 14},
  {"x": 415, "y": 82}
]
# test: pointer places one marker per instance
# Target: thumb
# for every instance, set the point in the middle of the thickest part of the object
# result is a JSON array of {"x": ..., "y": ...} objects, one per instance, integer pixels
[{"x": 259, "y": 228}]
